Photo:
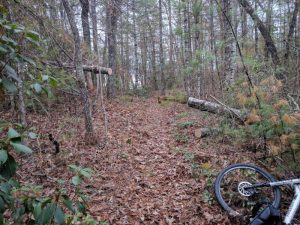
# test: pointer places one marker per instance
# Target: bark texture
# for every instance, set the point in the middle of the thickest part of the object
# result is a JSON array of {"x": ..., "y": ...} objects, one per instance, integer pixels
[
  {"x": 229, "y": 44},
  {"x": 94, "y": 26},
  {"x": 79, "y": 71},
  {"x": 112, "y": 11},
  {"x": 85, "y": 22},
  {"x": 292, "y": 29}
]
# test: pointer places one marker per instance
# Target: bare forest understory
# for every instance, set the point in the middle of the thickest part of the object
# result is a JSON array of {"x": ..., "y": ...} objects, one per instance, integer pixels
[{"x": 152, "y": 169}]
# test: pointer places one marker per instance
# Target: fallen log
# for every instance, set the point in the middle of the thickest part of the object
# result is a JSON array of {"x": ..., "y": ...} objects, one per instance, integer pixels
[
  {"x": 94, "y": 69},
  {"x": 216, "y": 108},
  {"x": 87, "y": 68}
]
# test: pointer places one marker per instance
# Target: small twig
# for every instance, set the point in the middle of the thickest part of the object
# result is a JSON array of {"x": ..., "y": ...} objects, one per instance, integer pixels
[{"x": 41, "y": 104}]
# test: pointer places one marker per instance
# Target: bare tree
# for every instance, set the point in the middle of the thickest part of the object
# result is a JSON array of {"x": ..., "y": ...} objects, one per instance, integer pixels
[
  {"x": 79, "y": 72},
  {"x": 265, "y": 33},
  {"x": 229, "y": 42},
  {"x": 291, "y": 29},
  {"x": 161, "y": 50},
  {"x": 112, "y": 13},
  {"x": 136, "y": 60}
]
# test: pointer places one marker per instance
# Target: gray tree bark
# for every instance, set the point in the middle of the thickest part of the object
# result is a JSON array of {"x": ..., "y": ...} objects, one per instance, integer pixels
[
  {"x": 94, "y": 26},
  {"x": 134, "y": 35},
  {"x": 21, "y": 100},
  {"x": 229, "y": 43},
  {"x": 161, "y": 50},
  {"x": 153, "y": 52},
  {"x": 79, "y": 72},
  {"x": 85, "y": 7},
  {"x": 112, "y": 12},
  {"x": 291, "y": 29},
  {"x": 171, "y": 50}
]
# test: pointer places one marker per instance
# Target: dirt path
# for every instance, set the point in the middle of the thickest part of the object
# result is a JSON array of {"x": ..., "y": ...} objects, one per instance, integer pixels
[
  {"x": 145, "y": 177},
  {"x": 152, "y": 170}
]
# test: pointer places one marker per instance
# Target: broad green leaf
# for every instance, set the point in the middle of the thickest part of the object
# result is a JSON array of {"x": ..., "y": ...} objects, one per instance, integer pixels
[
  {"x": 86, "y": 172},
  {"x": 3, "y": 50},
  {"x": 11, "y": 72},
  {"x": 21, "y": 148},
  {"x": 8, "y": 40},
  {"x": 76, "y": 180},
  {"x": 74, "y": 168},
  {"x": 37, "y": 210},
  {"x": 5, "y": 188},
  {"x": 37, "y": 87},
  {"x": 32, "y": 135},
  {"x": 61, "y": 181},
  {"x": 54, "y": 82},
  {"x": 59, "y": 216},
  {"x": 9, "y": 168},
  {"x": 27, "y": 59},
  {"x": 81, "y": 207},
  {"x": 9, "y": 85},
  {"x": 18, "y": 215},
  {"x": 33, "y": 37},
  {"x": 45, "y": 77},
  {"x": 14, "y": 183},
  {"x": 12, "y": 134},
  {"x": 3, "y": 156},
  {"x": 68, "y": 203},
  {"x": 47, "y": 213}
]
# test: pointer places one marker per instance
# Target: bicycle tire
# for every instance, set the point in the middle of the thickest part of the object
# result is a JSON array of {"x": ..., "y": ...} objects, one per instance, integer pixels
[{"x": 221, "y": 176}]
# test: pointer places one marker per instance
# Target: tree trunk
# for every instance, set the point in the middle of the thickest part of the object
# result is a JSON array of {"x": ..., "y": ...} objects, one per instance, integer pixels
[
  {"x": 94, "y": 25},
  {"x": 112, "y": 18},
  {"x": 85, "y": 22},
  {"x": 21, "y": 100},
  {"x": 229, "y": 44},
  {"x": 187, "y": 44},
  {"x": 266, "y": 35},
  {"x": 86, "y": 35},
  {"x": 244, "y": 26},
  {"x": 153, "y": 51},
  {"x": 255, "y": 35},
  {"x": 291, "y": 29},
  {"x": 268, "y": 26},
  {"x": 171, "y": 47},
  {"x": 79, "y": 72},
  {"x": 134, "y": 34},
  {"x": 161, "y": 50},
  {"x": 53, "y": 10}
]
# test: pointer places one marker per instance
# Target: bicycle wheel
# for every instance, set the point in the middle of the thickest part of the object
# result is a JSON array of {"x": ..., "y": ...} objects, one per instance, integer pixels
[{"x": 235, "y": 199}]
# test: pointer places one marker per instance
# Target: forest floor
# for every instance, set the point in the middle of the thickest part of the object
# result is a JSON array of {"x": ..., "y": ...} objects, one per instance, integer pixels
[{"x": 152, "y": 169}]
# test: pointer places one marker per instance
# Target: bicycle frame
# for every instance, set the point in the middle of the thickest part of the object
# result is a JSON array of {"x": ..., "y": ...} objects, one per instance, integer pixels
[{"x": 296, "y": 201}]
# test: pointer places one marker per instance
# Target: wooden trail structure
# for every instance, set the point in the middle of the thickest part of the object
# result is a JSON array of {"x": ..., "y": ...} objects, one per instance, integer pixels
[{"x": 86, "y": 68}]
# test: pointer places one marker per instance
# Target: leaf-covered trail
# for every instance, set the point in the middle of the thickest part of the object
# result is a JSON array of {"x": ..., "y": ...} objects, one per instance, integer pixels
[
  {"x": 151, "y": 171},
  {"x": 143, "y": 178}
]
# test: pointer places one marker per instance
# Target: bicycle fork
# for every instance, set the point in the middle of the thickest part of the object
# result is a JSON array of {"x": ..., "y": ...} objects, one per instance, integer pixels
[{"x": 293, "y": 207}]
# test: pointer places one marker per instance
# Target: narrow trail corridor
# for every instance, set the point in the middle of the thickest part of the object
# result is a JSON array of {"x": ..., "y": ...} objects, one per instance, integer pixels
[{"x": 146, "y": 177}]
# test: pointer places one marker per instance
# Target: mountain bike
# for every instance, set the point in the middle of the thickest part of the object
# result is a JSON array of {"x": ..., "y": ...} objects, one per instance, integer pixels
[{"x": 239, "y": 188}]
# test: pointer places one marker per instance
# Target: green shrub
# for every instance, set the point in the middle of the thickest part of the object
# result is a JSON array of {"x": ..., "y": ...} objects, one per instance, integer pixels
[{"x": 24, "y": 202}]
